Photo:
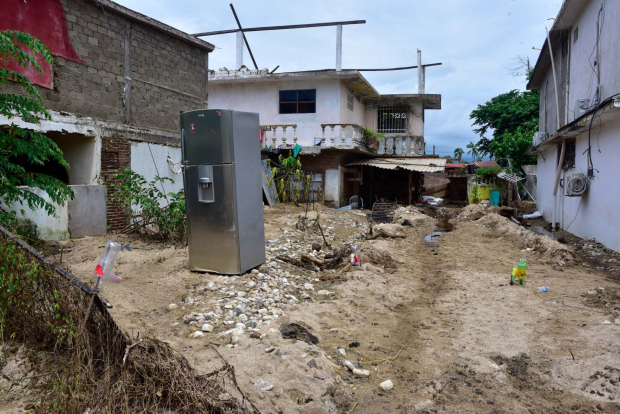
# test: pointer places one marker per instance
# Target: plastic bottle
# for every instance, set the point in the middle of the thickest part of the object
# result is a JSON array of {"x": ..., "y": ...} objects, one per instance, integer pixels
[
  {"x": 105, "y": 265},
  {"x": 542, "y": 289},
  {"x": 355, "y": 258}
]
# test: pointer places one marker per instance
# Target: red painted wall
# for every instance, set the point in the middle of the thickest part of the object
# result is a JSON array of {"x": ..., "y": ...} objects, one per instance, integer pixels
[{"x": 44, "y": 19}]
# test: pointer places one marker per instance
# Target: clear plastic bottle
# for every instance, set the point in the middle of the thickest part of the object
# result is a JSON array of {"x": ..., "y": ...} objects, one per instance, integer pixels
[
  {"x": 542, "y": 289},
  {"x": 105, "y": 265}
]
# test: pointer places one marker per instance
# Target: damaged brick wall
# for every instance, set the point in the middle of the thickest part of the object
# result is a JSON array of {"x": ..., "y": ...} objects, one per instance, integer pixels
[{"x": 115, "y": 157}]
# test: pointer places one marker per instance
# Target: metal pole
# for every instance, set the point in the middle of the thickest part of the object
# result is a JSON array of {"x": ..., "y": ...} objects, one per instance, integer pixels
[
  {"x": 244, "y": 38},
  {"x": 339, "y": 48},
  {"x": 239, "y": 50},
  {"x": 555, "y": 82}
]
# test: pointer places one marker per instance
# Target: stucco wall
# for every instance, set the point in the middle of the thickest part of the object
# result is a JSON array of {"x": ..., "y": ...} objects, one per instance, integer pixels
[
  {"x": 50, "y": 228},
  {"x": 263, "y": 98},
  {"x": 142, "y": 163},
  {"x": 598, "y": 216},
  {"x": 355, "y": 116},
  {"x": 582, "y": 77},
  {"x": 82, "y": 154}
]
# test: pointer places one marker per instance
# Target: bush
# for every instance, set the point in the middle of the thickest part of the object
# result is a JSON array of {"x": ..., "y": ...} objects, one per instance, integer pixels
[
  {"x": 151, "y": 211},
  {"x": 488, "y": 172},
  {"x": 24, "y": 228}
]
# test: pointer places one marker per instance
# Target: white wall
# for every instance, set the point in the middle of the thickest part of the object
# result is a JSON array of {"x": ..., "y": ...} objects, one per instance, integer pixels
[
  {"x": 50, "y": 227},
  {"x": 142, "y": 163},
  {"x": 263, "y": 98},
  {"x": 83, "y": 155},
  {"x": 599, "y": 215},
  {"x": 355, "y": 116},
  {"x": 582, "y": 77}
]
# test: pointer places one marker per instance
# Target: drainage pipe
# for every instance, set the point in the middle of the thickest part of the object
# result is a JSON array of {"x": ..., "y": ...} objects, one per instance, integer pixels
[{"x": 558, "y": 172}]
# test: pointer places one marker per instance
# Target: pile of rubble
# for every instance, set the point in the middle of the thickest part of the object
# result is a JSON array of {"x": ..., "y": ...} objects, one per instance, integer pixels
[
  {"x": 609, "y": 259},
  {"x": 253, "y": 301}
]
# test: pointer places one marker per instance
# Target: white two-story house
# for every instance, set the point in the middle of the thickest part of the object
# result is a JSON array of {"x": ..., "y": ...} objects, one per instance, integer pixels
[
  {"x": 326, "y": 111},
  {"x": 578, "y": 141}
]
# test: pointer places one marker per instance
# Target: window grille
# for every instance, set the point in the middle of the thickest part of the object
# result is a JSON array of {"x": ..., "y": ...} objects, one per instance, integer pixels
[{"x": 392, "y": 120}]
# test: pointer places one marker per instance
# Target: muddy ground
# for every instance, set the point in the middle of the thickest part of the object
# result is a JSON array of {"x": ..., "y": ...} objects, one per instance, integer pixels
[{"x": 439, "y": 319}]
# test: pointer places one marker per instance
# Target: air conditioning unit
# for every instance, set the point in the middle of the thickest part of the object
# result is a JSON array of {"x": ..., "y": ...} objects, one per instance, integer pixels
[
  {"x": 575, "y": 185},
  {"x": 581, "y": 107}
]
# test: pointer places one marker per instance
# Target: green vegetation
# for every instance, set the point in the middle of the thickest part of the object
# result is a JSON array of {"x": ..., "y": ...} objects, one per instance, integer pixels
[
  {"x": 151, "y": 211},
  {"x": 16, "y": 183},
  {"x": 513, "y": 118},
  {"x": 290, "y": 181},
  {"x": 372, "y": 138},
  {"x": 458, "y": 153},
  {"x": 488, "y": 172}
]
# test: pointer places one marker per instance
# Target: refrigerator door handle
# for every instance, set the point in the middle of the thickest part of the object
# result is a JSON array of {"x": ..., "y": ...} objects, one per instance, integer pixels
[{"x": 206, "y": 193}]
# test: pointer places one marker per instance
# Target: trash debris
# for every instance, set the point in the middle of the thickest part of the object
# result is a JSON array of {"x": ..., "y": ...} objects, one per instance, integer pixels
[
  {"x": 542, "y": 289},
  {"x": 406, "y": 223},
  {"x": 263, "y": 385},
  {"x": 534, "y": 215},
  {"x": 355, "y": 257},
  {"x": 519, "y": 272},
  {"x": 354, "y": 344},
  {"x": 342, "y": 351},
  {"x": 386, "y": 385},
  {"x": 356, "y": 371},
  {"x": 296, "y": 331},
  {"x": 104, "y": 267},
  {"x": 433, "y": 201},
  {"x": 606, "y": 322}
]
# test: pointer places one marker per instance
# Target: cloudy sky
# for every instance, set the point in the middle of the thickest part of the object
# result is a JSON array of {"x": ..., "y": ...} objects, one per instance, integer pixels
[{"x": 476, "y": 40}]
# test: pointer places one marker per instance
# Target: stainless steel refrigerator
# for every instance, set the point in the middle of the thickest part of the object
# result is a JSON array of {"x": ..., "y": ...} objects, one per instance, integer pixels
[{"x": 223, "y": 190}]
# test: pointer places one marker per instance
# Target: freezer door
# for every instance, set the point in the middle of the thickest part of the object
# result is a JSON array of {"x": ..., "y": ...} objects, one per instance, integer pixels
[
  {"x": 206, "y": 137},
  {"x": 211, "y": 218}
]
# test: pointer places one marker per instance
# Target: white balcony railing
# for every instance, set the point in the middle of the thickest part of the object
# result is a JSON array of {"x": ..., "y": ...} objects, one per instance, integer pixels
[
  {"x": 401, "y": 146},
  {"x": 270, "y": 133},
  {"x": 342, "y": 135}
]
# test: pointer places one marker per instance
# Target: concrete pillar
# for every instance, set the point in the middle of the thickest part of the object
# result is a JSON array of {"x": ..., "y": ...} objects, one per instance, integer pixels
[
  {"x": 239, "y": 49},
  {"x": 420, "y": 73},
  {"x": 339, "y": 47}
]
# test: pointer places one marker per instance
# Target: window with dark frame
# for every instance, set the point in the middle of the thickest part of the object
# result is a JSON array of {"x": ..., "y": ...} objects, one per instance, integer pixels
[
  {"x": 298, "y": 101},
  {"x": 575, "y": 34},
  {"x": 569, "y": 155}
]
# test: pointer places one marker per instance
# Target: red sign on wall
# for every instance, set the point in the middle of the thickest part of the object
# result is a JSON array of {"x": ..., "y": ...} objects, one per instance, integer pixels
[{"x": 44, "y": 19}]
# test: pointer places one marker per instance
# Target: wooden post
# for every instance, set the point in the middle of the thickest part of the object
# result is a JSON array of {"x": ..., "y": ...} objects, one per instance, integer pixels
[
  {"x": 127, "y": 72},
  {"x": 410, "y": 184}
]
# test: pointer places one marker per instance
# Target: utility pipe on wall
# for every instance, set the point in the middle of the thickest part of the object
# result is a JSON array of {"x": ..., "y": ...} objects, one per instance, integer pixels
[
  {"x": 555, "y": 83},
  {"x": 558, "y": 172}
]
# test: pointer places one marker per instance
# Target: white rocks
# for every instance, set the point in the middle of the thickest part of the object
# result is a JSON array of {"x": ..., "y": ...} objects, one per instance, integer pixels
[
  {"x": 270, "y": 349},
  {"x": 617, "y": 321},
  {"x": 386, "y": 385},
  {"x": 308, "y": 286},
  {"x": 342, "y": 351},
  {"x": 333, "y": 330},
  {"x": 172, "y": 306},
  {"x": 207, "y": 327},
  {"x": 324, "y": 293},
  {"x": 263, "y": 385},
  {"x": 243, "y": 317},
  {"x": 198, "y": 334},
  {"x": 356, "y": 371},
  {"x": 606, "y": 322}
]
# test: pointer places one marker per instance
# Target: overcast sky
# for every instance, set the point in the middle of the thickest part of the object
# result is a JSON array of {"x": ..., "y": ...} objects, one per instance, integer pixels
[{"x": 476, "y": 40}]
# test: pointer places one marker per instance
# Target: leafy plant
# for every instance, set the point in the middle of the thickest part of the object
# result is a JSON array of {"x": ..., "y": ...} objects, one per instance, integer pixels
[
  {"x": 17, "y": 184},
  {"x": 152, "y": 212},
  {"x": 513, "y": 118},
  {"x": 488, "y": 172},
  {"x": 372, "y": 138},
  {"x": 290, "y": 182},
  {"x": 458, "y": 153},
  {"x": 24, "y": 228}
]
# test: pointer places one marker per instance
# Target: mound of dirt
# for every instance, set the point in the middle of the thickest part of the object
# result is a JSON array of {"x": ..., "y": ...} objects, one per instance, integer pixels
[
  {"x": 416, "y": 217},
  {"x": 603, "y": 298},
  {"x": 476, "y": 211},
  {"x": 523, "y": 238},
  {"x": 377, "y": 253}
]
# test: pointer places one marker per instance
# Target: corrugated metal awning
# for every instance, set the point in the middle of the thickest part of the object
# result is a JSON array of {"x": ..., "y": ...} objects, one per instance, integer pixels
[{"x": 424, "y": 165}]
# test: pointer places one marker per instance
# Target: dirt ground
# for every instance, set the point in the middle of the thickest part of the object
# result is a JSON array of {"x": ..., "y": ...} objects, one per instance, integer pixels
[{"x": 438, "y": 319}]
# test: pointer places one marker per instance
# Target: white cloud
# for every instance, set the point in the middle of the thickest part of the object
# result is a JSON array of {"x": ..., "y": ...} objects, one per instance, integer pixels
[{"x": 475, "y": 40}]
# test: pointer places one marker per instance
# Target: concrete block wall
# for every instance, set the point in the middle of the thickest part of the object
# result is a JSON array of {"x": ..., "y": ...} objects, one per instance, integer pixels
[{"x": 168, "y": 74}]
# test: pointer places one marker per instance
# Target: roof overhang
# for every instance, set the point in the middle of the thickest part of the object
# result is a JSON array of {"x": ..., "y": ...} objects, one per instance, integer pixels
[
  {"x": 423, "y": 165},
  {"x": 566, "y": 18},
  {"x": 429, "y": 101}
]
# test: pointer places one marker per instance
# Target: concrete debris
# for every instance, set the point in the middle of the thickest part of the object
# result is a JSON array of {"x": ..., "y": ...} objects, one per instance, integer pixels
[
  {"x": 172, "y": 306},
  {"x": 386, "y": 385},
  {"x": 263, "y": 385},
  {"x": 355, "y": 370}
]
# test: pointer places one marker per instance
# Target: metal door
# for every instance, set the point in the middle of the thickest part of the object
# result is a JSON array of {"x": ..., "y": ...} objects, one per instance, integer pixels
[{"x": 211, "y": 223}]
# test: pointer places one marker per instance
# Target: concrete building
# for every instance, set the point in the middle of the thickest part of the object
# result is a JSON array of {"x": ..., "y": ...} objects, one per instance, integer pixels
[
  {"x": 325, "y": 112},
  {"x": 115, "y": 90},
  {"x": 577, "y": 143}
]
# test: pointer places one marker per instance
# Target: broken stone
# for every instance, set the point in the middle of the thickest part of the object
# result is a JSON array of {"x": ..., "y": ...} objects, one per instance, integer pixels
[
  {"x": 386, "y": 385},
  {"x": 356, "y": 371},
  {"x": 198, "y": 334},
  {"x": 263, "y": 385},
  {"x": 207, "y": 327},
  {"x": 319, "y": 374},
  {"x": 342, "y": 352},
  {"x": 324, "y": 293},
  {"x": 270, "y": 349},
  {"x": 172, "y": 306}
]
